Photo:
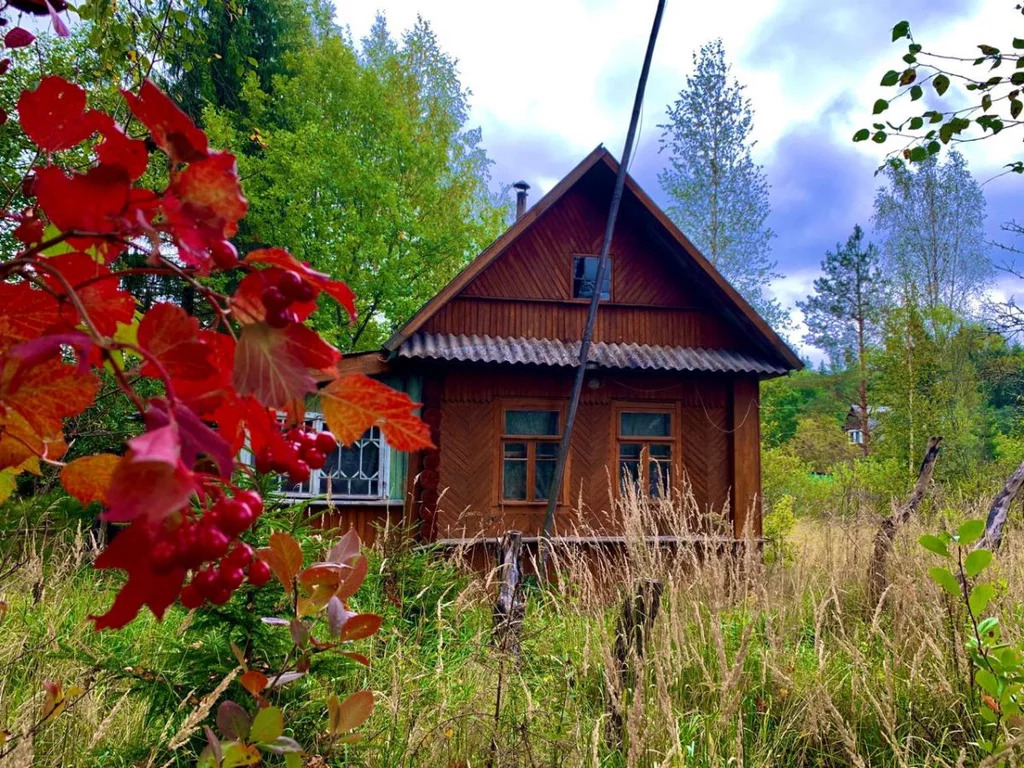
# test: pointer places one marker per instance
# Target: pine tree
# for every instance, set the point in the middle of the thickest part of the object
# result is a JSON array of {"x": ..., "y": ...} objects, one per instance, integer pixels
[
  {"x": 719, "y": 195},
  {"x": 843, "y": 314}
]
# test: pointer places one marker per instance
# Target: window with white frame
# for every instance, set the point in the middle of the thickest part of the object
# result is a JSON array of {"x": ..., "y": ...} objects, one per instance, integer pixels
[
  {"x": 357, "y": 471},
  {"x": 856, "y": 436}
]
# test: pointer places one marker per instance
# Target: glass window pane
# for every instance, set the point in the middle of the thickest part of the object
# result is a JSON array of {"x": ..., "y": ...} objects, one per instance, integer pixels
[
  {"x": 531, "y": 422},
  {"x": 543, "y": 477},
  {"x": 547, "y": 450},
  {"x": 660, "y": 451},
  {"x": 660, "y": 478},
  {"x": 515, "y": 451},
  {"x": 513, "y": 480},
  {"x": 645, "y": 424},
  {"x": 584, "y": 278},
  {"x": 629, "y": 472},
  {"x": 630, "y": 450}
]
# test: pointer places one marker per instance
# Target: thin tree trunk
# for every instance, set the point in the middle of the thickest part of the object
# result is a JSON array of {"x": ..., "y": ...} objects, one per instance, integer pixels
[
  {"x": 878, "y": 574},
  {"x": 865, "y": 427},
  {"x": 1000, "y": 509}
]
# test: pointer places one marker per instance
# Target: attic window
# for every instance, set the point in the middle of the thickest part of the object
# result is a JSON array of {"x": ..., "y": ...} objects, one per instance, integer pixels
[{"x": 584, "y": 278}]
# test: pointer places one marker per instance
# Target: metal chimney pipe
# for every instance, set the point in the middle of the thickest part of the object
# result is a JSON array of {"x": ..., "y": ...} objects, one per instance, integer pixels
[{"x": 520, "y": 187}]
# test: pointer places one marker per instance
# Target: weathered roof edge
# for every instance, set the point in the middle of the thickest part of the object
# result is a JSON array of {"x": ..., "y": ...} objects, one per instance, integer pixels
[{"x": 495, "y": 249}]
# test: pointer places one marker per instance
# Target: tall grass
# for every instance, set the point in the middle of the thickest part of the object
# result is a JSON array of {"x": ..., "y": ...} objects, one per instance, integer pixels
[{"x": 748, "y": 663}]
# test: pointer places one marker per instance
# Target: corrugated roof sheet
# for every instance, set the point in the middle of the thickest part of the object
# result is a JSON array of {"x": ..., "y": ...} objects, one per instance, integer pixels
[{"x": 496, "y": 349}]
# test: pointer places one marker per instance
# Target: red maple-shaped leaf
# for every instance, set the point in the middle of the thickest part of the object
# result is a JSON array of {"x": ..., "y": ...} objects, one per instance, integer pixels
[
  {"x": 36, "y": 400},
  {"x": 208, "y": 189},
  {"x": 87, "y": 202},
  {"x": 197, "y": 439},
  {"x": 244, "y": 417},
  {"x": 151, "y": 480},
  {"x": 208, "y": 394},
  {"x": 278, "y": 366},
  {"x": 247, "y": 304},
  {"x": 336, "y": 289},
  {"x": 172, "y": 337},
  {"x": 352, "y": 404},
  {"x": 96, "y": 288},
  {"x": 130, "y": 552},
  {"x": 171, "y": 129},
  {"x": 117, "y": 149},
  {"x": 54, "y": 115},
  {"x": 24, "y": 313}
]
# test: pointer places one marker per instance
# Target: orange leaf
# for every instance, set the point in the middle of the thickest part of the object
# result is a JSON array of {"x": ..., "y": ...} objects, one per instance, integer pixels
[
  {"x": 278, "y": 366},
  {"x": 284, "y": 556},
  {"x": 358, "y": 627},
  {"x": 354, "y": 403},
  {"x": 88, "y": 478},
  {"x": 254, "y": 682},
  {"x": 350, "y": 713},
  {"x": 353, "y": 578},
  {"x": 172, "y": 337}
]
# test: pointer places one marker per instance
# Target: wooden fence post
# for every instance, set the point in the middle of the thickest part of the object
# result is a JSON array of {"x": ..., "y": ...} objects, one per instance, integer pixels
[
  {"x": 511, "y": 606},
  {"x": 878, "y": 573},
  {"x": 639, "y": 612}
]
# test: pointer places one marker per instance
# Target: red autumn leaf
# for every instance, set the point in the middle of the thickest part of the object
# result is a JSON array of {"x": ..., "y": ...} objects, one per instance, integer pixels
[
  {"x": 171, "y": 129},
  {"x": 279, "y": 257},
  {"x": 30, "y": 229},
  {"x": 52, "y": 346},
  {"x": 354, "y": 403},
  {"x": 361, "y": 626},
  {"x": 208, "y": 189},
  {"x": 150, "y": 481},
  {"x": 349, "y": 714},
  {"x": 254, "y": 682},
  {"x": 172, "y": 337},
  {"x": 38, "y": 7},
  {"x": 353, "y": 579},
  {"x": 197, "y": 439},
  {"x": 89, "y": 202},
  {"x": 88, "y": 478},
  {"x": 36, "y": 400},
  {"x": 247, "y": 304},
  {"x": 24, "y": 312},
  {"x": 130, "y": 551},
  {"x": 284, "y": 556},
  {"x": 278, "y": 366},
  {"x": 18, "y": 37},
  {"x": 117, "y": 149},
  {"x": 54, "y": 115},
  {"x": 96, "y": 288}
]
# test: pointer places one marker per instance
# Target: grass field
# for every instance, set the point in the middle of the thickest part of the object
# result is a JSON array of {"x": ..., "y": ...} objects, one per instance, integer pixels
[{"x": 748, "y": 663}]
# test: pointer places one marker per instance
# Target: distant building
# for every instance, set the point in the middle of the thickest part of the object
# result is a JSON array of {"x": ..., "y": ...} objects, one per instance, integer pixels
[{"x": 854, "y": 424}]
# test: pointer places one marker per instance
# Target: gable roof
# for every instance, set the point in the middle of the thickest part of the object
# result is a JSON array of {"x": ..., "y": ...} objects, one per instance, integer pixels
[{"x": 734, "y": 304}]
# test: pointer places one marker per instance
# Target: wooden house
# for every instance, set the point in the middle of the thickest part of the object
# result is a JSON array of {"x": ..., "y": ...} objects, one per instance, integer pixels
[{"x": 672, "y": 390}]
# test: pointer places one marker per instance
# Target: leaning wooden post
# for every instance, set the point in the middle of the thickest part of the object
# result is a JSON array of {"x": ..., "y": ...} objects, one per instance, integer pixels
[
  {"x": 511, "y": 606},
  {"x": 639, "y": 612},
  {"x": 878, "y": 574},
  {"x": 999, "y": 510}
]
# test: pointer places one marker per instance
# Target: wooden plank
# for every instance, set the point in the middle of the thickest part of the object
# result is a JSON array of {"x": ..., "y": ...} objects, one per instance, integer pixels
[{"x": 746, "y": 458}]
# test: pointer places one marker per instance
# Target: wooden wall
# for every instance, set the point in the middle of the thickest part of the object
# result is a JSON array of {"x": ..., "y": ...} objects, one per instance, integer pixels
[
  {"x": 528, "y": 290},
  {"x": 469, "y": 470}
]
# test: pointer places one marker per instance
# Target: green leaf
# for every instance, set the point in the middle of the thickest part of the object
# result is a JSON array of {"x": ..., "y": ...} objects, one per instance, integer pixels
[
  {"x": 880, "y": 106},
  {"x": 902, "y": 29},
  {"x": 988, "y": 624},
  {"x": 917, "y": 154},
  {"x": 986, "y": 102},
  {"x": 916, "y": 92},
  {"x": 941, "y": 83},
  {"x": 862, "y": 135},
  {"x": 934, "y": 544},
  {"x": 969, "y": 532},
  {"x": 1018, "y": 43},
  {"x": 977, "y": 561},
  {"x": 989, "y": 50},
  {"x": 934, "y": 147},
  {"x": 879, "y": 137},
  {"x": 980, "y": 597},
  {"x": 908, "y": 76},
  {"x": 945, "y": 579},
  {"x": 987, "y": 682},
  {"x": 1017, "y": 78},
  {"x": 914, "y": 48},
  {"x": 916, "y": 123},
  {"x": 890, "y": 78},
  {"x": 267, "y": 725},
  {"x": 1015, "y": 107},
  {"x": 292, "y": 760}
]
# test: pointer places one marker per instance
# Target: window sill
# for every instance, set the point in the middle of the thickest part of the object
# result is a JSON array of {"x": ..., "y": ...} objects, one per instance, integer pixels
[{"x": 369, "y": 501}]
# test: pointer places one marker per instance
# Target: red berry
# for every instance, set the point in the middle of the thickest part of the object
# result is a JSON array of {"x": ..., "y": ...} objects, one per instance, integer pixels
[
  {"x": 225, "y": 255},
  {"x": 187, "y": 552},
  {"x": 231, "y": 576},
  {"x": 278, "y": 318},
  {"x": 259, "y": 573},
  {"x": 220, "y": 595},
  {"x": 234, "y": 516},
  {"x": 325, "y": 442},
  {"x": 304, "y": 293},
  {"x": 264, "y": 462},
  {"x": 205, "y": 581},
  {"x": 290, "y": 286},
  {"x": 298, "y": 472},
  {"x": 273, "y": 299},
  {"x": 163, "y": 556},
  {"x": 240, "y": 556},
  {"x": 252, "y": 500},
  {"x": 295, "y": 435},
  {"x": 211, "y": 542},
  {"x": 191, "y": 597},
  {"x": 314, "y": 459}
]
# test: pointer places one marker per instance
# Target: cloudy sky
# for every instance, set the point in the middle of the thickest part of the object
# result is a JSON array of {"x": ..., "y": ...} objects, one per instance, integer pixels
[{"x": 551, "y": 79}]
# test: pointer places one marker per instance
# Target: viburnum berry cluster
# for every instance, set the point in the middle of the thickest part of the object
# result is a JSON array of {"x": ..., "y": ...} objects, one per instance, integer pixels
[
  {"x": 302, "y": 451},
  {"x": 65, "y": 316}
]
